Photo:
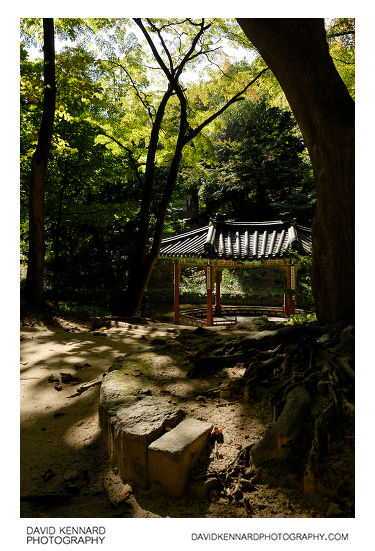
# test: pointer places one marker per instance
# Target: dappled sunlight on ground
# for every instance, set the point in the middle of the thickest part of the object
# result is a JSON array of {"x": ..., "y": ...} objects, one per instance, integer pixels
[
  {"x": 62, "y": 453},
  {"x": 83, "y": 433}
]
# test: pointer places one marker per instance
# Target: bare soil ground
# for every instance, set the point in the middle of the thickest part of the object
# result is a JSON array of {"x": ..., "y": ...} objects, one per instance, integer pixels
[{"x": 65, "y": 470}]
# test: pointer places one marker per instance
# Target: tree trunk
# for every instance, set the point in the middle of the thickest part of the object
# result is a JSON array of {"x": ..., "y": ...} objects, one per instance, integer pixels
[
  {"x": 140, "y": 273},
  {"x": 35, "y": 268},
  {"x": 56, "y": 261},
  {"x": 144, "y": 259},
  {"x": 297, "y": 52}
]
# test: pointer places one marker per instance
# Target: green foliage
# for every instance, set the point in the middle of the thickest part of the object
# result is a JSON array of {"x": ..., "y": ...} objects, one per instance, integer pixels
[
  {"x": 82, "y": 312},
  {"x": 341, "y": 39},
  {"x": 303, "y": 294},
  {"x": 301, "y": 319},
  {"x": 238, "y": 285},
  {"x": 108, "y": 91},
  {"x": 263, "y": 171}
]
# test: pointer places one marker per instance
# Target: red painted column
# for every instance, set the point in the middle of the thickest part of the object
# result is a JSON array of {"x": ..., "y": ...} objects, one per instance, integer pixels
[
  {"x": 210, "y": 321},
  {"x": 292, "y": 285},
  {"x": 286, "y": 296},
  {"x": 217, "y": 296},
  {"x": 176, "y": 293},
  {"x": 289, "y": 285}
]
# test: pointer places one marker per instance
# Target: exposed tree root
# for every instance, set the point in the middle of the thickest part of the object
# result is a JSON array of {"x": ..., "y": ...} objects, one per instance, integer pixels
[{"x": 306, "y": 374}]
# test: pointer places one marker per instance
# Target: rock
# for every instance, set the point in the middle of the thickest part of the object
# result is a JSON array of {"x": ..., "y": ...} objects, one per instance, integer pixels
[
  {"x": 226, "y": 438},
  {"x": 70, "y": 475},
  {"x": 173, "y": 455},
  {"x": 129, "y": 424}
]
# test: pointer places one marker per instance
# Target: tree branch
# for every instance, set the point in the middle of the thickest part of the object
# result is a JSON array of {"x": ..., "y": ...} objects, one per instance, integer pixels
[
  {"x": 343, "y": 33},
  {"x": 128, "y": 151},
  {"x": 154, "y": 50},
  {"x": 158, "y": 31},
  {"x": 145, "y": 104},
  {"x": 235, "y": 98},
  {"x": 343, "y": 61},
  {"x": 174, "y": 73},
  {"x": 195, "y": 40}
]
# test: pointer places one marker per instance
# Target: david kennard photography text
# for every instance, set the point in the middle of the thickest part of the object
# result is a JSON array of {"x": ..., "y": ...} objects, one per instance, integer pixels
[{"x": 65, "y": 534}]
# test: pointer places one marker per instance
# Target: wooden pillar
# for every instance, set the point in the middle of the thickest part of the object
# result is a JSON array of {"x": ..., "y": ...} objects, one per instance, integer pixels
[
  {"x": 292, "y": 285},
  {"x": 176, "y": 293},
  {"x": 289, "y": 286},
  {"x": 209, "y": 296},
  {"x": 286, "y": 287},
  {"x": 217, "y": 296}
]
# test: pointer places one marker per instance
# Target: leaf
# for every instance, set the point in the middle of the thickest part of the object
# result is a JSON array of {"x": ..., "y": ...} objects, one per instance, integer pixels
[{"x": 216, "y": 431}]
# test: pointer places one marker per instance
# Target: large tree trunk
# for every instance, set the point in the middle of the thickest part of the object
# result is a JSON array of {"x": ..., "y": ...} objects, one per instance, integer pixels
[
  {"x": 297, "y": 52},
  {"x": 139, "y": 275},
  {"x": 35, "y": 268}
]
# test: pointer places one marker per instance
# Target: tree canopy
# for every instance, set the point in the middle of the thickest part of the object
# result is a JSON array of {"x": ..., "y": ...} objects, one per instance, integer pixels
[{"x": 152, "y": 115}]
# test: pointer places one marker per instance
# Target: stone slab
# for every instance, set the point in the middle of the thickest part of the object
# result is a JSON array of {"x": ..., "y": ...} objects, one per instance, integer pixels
[
  {"x": 173, "y": 455},
  {"x": 129, "y": 424}
]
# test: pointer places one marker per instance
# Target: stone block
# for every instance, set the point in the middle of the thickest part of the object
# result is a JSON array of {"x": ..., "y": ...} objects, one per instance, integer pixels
[
  {"x": 173, "y": 455},
  {"x": 129, "y": 424}
]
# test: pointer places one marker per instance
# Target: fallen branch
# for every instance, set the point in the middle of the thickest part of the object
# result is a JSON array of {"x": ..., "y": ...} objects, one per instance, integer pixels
[{"x": 83, "y": 388}]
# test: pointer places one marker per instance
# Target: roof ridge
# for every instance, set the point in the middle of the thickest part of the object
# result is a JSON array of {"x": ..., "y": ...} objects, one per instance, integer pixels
[
  {"x": 185, "y": 234},
  {"x": 264, "y": 223}
]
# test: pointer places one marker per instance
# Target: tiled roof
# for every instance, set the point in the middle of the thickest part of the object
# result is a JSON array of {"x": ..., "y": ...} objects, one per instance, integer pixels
[{"x": 239, "y": 240}]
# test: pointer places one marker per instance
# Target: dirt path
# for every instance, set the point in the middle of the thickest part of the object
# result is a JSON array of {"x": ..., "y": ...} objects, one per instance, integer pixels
[{"x": 64, "y": 466}]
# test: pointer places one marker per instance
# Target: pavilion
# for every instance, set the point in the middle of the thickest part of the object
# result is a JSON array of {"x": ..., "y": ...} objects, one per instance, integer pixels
[{"x": 223, "y": 244}]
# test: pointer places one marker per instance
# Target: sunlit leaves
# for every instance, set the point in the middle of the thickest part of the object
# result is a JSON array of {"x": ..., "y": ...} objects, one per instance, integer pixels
[{"x": 341, "y": 39}]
